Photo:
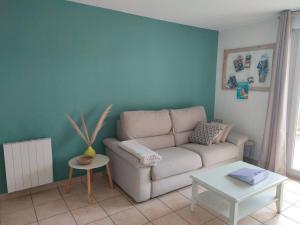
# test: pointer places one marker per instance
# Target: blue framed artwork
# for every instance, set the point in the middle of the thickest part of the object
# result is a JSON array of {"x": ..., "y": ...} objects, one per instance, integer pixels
[
  {"x": 242, "y": 90},
  {"x": 250, "y": 64}
]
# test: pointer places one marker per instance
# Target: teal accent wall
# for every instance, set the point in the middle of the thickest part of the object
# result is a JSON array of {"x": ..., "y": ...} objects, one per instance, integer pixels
[{"x": 60, "y": 57}]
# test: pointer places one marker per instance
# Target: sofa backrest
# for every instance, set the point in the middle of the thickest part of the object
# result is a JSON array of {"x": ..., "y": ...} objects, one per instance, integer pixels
[
  {"x": 152, "y": 128},
  {"x": 162, "y": 128},
  {"x": 184, "y": 122}
]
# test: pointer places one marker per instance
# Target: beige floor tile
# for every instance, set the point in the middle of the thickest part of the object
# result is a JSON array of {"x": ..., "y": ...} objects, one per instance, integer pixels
[
  {"x": 129, "y": 217},
  {"x": 61, "y": 219},
  {"x": 50, "y": 209},
  {"x": 105, "y": 192},
  {"x": 292, "y": 185},
  {"x": 15, "y": 204},
  {"x": 130, "y": 199},
  {"x": 88, "y": 214},
  {"x": 248, "y": 221},
  {"x": 291, "y": 197},
  {"x": 214, "y": 213},
  {"x": 187, "y": 192},
  {"x": 285, "y": 205},
  {"x": 170, "y": 219},
  {"x": 198, "y": 217},
  {"x": 293, "y": 213},
  {"x": 153, "y": 209},
  {"x": 264, "y": 214},
  {"x": 77, "y": 189},
  {"x": 78, "y": 201},
  {"x": 245, "y": 221},
  {"x": 175, "y": 200},
  {"x": 21, "y": 217},
  {"x": 46, "y": 196},
  {"x": 100, "y": 181},
  {"x": 106, "y": 221},
  {"x": 297, "y": 204},
  {"x": 281, "y": 220},
  {"x": 44, "y": 187},
  {"x": 115, "y": 204},
  {"x": 216, "y": 222}
]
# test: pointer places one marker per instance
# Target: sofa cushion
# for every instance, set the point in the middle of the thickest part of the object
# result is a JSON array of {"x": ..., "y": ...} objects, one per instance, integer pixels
[
  {"x": 182, "y": 137},
  {"x": 226, "y": 132},
  {"x": 215, "y": 153},
  {"x": 120, "y": 134},
  {"x": 204, "y": 133},
  {"x": 139, "y": 124},
  {"x": 184, "y": 121},
  {"x": 156, "y": 142},
  {"x": 188, "y": 118},
  {"x": 175, "y": 161}
]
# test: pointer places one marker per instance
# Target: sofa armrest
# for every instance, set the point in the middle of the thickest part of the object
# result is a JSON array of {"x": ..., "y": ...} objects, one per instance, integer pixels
[
  {"x": 113, "y": 145},
  {"x": 237, "y": 139}
]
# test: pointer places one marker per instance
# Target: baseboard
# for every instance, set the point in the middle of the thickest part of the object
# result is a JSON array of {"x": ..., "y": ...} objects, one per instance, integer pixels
[{"x": 56, "y": 184}]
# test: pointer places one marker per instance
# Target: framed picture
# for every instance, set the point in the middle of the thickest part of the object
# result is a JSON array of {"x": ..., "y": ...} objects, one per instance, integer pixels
[
  {"x": 242, "y": 90},
  {"x": 250, "y": 64}
]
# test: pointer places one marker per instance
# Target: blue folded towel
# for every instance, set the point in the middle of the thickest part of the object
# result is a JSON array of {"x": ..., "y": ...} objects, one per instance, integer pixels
[{"x": 250, "y": 176}]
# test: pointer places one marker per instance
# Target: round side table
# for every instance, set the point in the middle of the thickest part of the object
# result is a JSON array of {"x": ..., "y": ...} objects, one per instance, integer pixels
[{"x": 98, "y": 161}]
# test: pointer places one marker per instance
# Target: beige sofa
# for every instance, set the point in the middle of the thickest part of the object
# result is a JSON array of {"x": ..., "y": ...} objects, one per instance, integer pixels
[{"x": 166, "y": 132}]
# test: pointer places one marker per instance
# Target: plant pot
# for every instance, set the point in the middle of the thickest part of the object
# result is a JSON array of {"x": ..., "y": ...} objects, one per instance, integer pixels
[{"x": 90, "y": 152}]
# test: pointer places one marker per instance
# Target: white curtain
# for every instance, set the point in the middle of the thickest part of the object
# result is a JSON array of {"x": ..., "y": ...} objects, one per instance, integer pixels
[
  {"x": 273, "y": 155},
  {"x": 283, "y": 105},
  {"x": 294, "y": 93}
]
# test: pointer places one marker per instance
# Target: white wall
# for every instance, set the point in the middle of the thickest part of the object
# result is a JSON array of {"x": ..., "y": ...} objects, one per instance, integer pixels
[{"x": 248, "y": 116}]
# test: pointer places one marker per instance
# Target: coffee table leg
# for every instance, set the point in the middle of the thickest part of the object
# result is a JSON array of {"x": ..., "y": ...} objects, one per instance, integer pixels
[
  {"x": 194, "y": 195},
  {"x": 233, "y": 213},
  {"x": 109, "y": 175},
  {"x": 279, "y": 191},
  {"x": 89, "y": 184},
  {"x": 69, "y": 182}
]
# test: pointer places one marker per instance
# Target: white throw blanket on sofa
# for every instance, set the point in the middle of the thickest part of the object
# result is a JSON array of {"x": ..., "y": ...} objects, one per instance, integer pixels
[{"x": 146, "y": 156}]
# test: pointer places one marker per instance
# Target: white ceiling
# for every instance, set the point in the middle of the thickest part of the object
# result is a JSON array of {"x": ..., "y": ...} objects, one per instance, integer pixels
[{"x": 212, "y": 14}]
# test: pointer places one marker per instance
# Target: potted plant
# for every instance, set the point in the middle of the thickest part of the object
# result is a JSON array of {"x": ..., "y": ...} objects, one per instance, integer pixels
[{"x": 84, "y": 134}]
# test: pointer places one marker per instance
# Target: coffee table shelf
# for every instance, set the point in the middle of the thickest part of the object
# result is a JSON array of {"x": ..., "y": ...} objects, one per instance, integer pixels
[{"x": 222, "y": 206}]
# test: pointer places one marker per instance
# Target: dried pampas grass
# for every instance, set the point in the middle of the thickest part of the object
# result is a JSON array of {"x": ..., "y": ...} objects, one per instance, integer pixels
[
  {"x": 85, "y": 130},
  {"x": 100, "y": 123},
  {"x": 77, "y": 129},
  {"x": 84, "y": 134}
]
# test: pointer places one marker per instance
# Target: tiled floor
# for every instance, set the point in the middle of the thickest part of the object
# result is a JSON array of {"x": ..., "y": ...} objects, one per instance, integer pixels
[{"x": 113, "y": 207}]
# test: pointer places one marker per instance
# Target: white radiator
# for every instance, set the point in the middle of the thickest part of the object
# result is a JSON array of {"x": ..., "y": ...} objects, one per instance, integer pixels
[{"x": 28, "y": 164}]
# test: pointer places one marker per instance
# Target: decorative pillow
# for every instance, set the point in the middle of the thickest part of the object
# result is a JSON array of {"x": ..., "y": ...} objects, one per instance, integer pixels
[
  {"x": 226, "y": 132},
  {"x": 204, "y": 133},
  {"x": 223, "y": 127}
]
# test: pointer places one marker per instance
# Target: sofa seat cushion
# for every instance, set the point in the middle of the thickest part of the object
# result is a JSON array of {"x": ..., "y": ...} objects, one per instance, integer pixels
[
  {"x": 175, "y": 160},
  {"x": 215, "y": 153}
]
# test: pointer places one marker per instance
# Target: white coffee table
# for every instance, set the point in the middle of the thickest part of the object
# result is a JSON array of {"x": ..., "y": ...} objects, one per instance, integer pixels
[{"x": 232, "y": 198}]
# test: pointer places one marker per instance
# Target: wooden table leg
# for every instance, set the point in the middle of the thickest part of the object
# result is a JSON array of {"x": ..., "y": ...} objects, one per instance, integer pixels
[
  {"x": 92, "y": 175},
  {"x": 69, "y": 182},
  {"x": 89, "y": 185},
  {"x": 109, "y": 175}
]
